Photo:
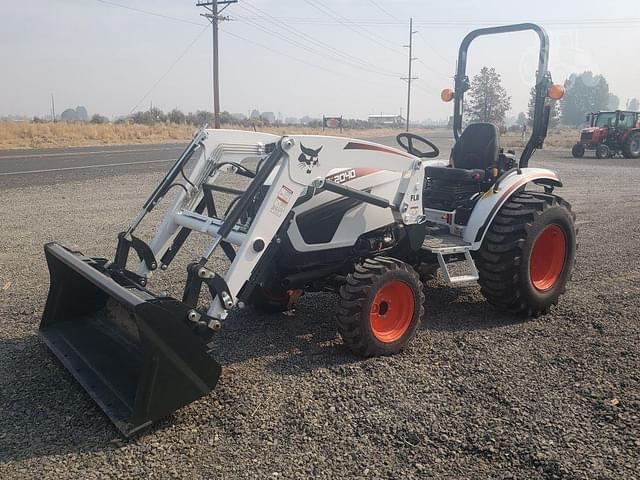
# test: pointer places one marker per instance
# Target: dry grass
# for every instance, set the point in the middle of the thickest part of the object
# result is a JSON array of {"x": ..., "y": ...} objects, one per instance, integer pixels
[
  {"x": 48, "y": 135},
  {"x": 52, "y": 135},
  {"x": 556, "y": 139}
]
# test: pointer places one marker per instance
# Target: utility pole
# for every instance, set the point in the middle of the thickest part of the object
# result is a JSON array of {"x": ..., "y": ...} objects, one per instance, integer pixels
[
  {"x": 411, "y": 60},
  {"x": 53, "y": 109},
  {"x": 213, "y": 15}
]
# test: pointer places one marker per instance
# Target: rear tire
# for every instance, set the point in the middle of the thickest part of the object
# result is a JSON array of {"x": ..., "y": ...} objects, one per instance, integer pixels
[
  {"x": 578, "y": 150},
  {"x": 380, "y": 307},
  {"x": 528, "y": 254},
  {"x": 631, "y": 147},
  {"x": 603, "y": 151}
]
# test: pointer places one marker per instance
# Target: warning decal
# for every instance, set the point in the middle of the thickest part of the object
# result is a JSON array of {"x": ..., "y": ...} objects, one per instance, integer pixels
[{"x": 281, "y": 202}]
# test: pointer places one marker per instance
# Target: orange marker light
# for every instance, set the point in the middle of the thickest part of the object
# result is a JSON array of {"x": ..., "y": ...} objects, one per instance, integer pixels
[
  {"x": 555, "y": 92},
  {"x": 447, "y": 95}
]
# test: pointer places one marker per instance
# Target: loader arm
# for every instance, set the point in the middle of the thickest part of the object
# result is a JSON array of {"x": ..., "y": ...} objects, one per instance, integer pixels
[{"x": 294, "y": 166}]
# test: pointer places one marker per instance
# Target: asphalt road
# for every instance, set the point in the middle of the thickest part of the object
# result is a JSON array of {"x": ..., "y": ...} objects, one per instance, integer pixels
[{"x": 20, "y": 168}]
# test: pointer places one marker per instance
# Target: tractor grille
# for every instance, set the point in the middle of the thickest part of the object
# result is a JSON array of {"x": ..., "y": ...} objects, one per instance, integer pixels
[{"x": 586, "y": 137}]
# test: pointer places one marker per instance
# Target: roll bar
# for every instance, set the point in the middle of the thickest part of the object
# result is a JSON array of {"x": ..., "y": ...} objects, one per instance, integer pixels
[{"x": 543, "y": 82}]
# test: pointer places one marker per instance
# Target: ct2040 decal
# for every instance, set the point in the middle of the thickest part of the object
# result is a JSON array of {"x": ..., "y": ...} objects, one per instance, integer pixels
[{"x": 351, "y": 174}]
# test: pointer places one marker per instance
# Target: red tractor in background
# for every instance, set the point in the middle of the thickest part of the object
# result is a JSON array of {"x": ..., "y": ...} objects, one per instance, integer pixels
[{"x": 610, "y": 134}]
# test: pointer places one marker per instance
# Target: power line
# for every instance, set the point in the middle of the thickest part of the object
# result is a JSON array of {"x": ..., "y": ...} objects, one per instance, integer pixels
[
  {"x": 349, "y": 24},
  {"x": 147, "y": 12},
  {"x": 394, "y": 17},
  {"x": 398, "y": 23},
  {"x": 315, "y": 51},
  {"x": 299, "y": 60},
  {"x": 171, "y": 67},
  {"x": 453, "y": 24},
  {"x": 383, "y": 10},
  {"x": 325, "y": 46}
]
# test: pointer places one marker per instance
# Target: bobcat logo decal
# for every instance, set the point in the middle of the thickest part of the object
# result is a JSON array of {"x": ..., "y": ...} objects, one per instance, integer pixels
[{"x": 308, "y": 158}]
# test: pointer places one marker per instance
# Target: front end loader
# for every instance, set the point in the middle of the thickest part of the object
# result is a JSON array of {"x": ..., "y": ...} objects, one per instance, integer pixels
[{"x": 367, "y": 222}]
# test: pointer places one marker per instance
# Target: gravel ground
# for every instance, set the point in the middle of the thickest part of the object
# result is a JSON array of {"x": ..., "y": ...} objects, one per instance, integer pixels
[{"x": 478, "y": 394}]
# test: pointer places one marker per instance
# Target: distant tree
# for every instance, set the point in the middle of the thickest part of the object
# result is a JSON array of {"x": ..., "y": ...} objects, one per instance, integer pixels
[
  {"x": 37, "y": 119},
  {"x": 488, "y": 99},
  {"x": 633, "y": 105},
  {"x": 83, "y": 115},
  {"x": 176, "y": 116},
  {"x": 97, "y": 118},
  {"x": 522, "y": 119},
  {"x": 585, "y": 93},
  {"x": 149, "y": 117},
  {"x": 613, "y": 102},
  {"x": 69, "y": 115},
  {"x": 227, "y": 119},
  {"x": 554, "y": 119},
  {"x": 202, "y": 118}
]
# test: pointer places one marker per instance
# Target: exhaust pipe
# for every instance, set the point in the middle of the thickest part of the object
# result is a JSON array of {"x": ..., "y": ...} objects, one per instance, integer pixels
[{"x": 134, "y": 353}]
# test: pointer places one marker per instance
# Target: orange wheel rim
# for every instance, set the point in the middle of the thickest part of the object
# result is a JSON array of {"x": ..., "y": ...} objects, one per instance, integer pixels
[
  {"x": 392, "y": 311},
  {"x": 548, "y": 258}
]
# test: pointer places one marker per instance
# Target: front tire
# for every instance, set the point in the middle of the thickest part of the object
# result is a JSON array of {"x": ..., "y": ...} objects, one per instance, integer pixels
[
  {"x": 578, "y": 150},
  {"x": 631, "y": 147},
  {"x": 603, "y": 151},
  {"x": 380, "y": 307},
  {"x": 528, "y": 254}
]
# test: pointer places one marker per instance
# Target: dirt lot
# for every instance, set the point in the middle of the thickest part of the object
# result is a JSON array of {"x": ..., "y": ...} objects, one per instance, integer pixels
[{"x": 479, "y": 394}]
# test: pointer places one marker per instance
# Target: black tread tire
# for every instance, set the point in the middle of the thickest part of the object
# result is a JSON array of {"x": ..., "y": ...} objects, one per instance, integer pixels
[
  {"x": 603, "y": 151},
  {"x": 352, "y": 313},
  {"x": 503, "y": 259},
  {"x": 578, "y": 150},
  {"x": 626, "y": 148},
  {"x": 266, "y": 301}
]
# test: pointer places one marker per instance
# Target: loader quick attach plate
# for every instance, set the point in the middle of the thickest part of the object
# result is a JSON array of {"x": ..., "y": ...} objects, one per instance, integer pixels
[{"x": 134, "y": 353}]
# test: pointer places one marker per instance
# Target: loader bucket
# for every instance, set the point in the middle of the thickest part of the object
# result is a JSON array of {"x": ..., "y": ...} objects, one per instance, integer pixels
[{"x": 133, "y": 352}]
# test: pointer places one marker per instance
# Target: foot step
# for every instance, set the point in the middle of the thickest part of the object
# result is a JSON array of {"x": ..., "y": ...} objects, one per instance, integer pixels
[{"x": 443, "y": 245}]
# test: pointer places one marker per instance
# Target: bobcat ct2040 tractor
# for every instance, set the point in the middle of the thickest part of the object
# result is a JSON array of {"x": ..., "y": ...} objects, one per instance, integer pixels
[{"x": 360, "y": 219}]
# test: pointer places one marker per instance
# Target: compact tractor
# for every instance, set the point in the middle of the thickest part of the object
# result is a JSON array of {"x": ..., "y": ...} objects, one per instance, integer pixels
[
  {"x": 610, "y": 134},
  {"x": 318, "y": 214}
]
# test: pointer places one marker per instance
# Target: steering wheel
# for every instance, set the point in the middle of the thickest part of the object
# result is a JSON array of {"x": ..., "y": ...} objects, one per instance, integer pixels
[{"x": 406, "y": 140}]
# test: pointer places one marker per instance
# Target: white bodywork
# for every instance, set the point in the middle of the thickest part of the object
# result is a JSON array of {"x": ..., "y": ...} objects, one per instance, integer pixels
[
  {"x": 289, "y": 180},
  {"x": 385, "y": 172}
]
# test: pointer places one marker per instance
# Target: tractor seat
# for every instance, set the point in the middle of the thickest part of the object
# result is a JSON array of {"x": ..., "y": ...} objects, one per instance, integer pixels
[{"x": 477, "y": 149}]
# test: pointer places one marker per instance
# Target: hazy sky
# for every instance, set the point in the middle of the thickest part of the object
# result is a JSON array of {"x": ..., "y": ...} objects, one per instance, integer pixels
[{"x": 296, "y": 57}]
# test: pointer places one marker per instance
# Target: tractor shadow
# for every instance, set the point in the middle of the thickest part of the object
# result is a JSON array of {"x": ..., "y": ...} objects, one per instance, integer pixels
[
  {"x": 43, "y": 411},
  {"x": 462, "y": 309},
  {"x": 308, "y": 341},
  {"x": 294, "y": 344}
]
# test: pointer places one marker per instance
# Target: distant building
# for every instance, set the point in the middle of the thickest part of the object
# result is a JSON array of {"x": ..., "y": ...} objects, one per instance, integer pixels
[
  {"x": 291, "y": 120},
  {"x": 392, "y": 121}
]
